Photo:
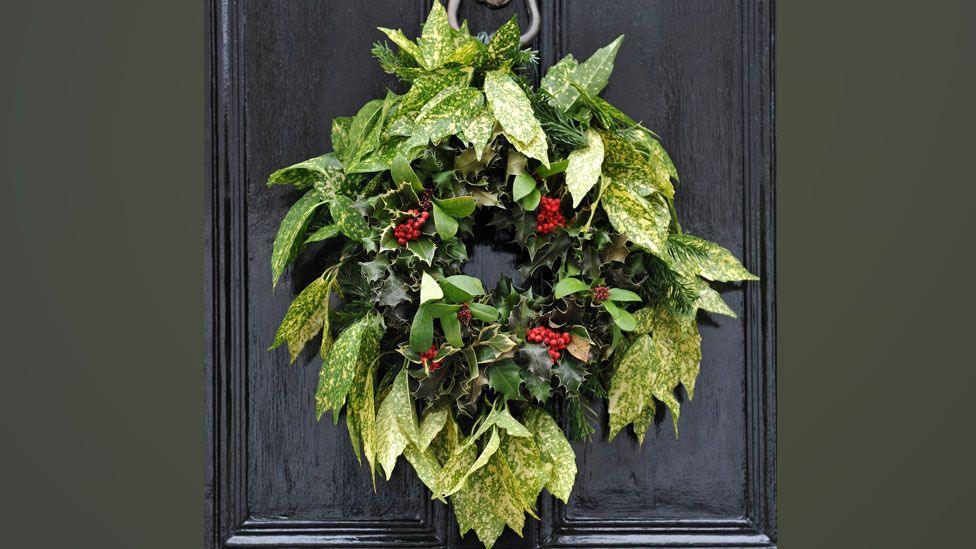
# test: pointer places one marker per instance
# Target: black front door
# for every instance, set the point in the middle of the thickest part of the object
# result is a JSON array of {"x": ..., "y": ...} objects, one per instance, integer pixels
[{"x": 698, "y": 72}]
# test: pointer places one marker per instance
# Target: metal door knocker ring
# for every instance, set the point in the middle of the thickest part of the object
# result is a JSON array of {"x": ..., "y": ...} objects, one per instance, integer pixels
[{"x": 452, "y": 9}]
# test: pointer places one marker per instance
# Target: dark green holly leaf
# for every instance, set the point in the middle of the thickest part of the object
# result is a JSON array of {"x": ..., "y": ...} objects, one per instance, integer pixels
[
  {"x": 376, "y": 269},
  {"x": 539, "y": 388},
  {"x": 570, "y": 372},
  {"x": 505, "y": 378},
  {"x": 423, "y": 248},
  {"x": 537, "y": 360},
  {"x": 392, "y": 292}
]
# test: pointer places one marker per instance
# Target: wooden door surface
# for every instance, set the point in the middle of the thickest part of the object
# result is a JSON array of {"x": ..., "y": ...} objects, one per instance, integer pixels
[{"x": 698, "y": 72}]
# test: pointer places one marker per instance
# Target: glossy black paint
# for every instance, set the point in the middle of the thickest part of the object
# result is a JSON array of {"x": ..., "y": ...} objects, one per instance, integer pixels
[{"x": 698, "y": 72}]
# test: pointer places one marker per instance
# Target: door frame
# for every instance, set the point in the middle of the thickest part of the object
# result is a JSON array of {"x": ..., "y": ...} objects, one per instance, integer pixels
[{"x": 227, "y": 520}]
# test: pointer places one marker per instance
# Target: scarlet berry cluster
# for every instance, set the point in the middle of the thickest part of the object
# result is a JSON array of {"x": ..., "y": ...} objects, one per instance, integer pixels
[
  {"x": 601, "y": 293},
  {"x": 464, "y": 314},
  {"x": 429, "y": 355},
  {"x": 549, "y": 217},
  {"x": 556, "y": 341},
  {"x": 410, "y": 229}
]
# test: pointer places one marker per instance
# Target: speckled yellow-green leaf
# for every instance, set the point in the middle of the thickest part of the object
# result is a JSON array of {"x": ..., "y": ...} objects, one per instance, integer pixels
[
  {"x": 504, "y": 420},
  {"x": 433, "y": 422},
  {"x": 405, "y": 44},
  {"x": 645, "y": 221},
  {"x": 583, "y": 170},
  {"x": 340, "y": 135},
  {"x": 467, "y": 53},
  {"x": 643, "y": 423},
  {"x": 426, "y": 86},
  {"x": 679, "y": 344},
  {"x": 339, "y": 368},
  {"x": 444, "y": 114},
  {"x": 513, "y": 111},
  {"x": 361, "y": 414},
  {"x": 629, "y": 167},
  {"x": 307, "y": 173},
  {"x": 593, "y": 74},
  {"x": 291, "y": 232},
  {"x": 630, "y": 386},
  {"x": 716, "y": 263},
  {"x": 477, "y": 131},
  {"x": 528, "y": 468},
  {"x": 305, "y": 317},
  {"x": 645, "y": 320},
  {"x": 424, "y": 464},
  {"x": 555, "y": 450},
  {"x": 438, "y": 40},
  {"x": 361, "y": 130},
  {"x": 396, "y": 424},
  {"x": 348, "y": 219},
  {"x": 710, "y": 300},
  {"x": 557, "y": 83},
  {"x": 503, "y": 44},
  {"x": 455, "y": 470},
  {"x": 446, "y": 440},
  {"x": 487, "y": 503}
]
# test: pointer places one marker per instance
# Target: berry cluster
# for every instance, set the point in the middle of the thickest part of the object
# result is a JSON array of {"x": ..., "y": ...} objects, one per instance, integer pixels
[
  {"x": 601, "y": 293},
  {"x": 549, "y": 217},
  {"x": 556, "y": 341},
  {"x": 425, "y": 203},
  {"x": 464, "y": 314},
  {"x": 429, "y": 355},
  {"x": 410, "y": 229}
]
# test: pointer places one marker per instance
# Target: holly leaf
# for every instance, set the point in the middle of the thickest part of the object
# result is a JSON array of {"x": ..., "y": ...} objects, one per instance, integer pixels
[
  {"x": 621, "y": 318},
  {"x": 568, "y": 286},
  {"x": 644, "y": 221},
  {"x": 522, "y": 186},
  {"x": 376, "y": 268},
  {"x": 421, "y": 330},
  {"x": 570, "y": 373},
  {"x": 619, "y": 294},
  {"x": 429, "y": 289},
  {"x": 458, "y": 207},
  {"x": 539, "y": 388},
  {"x": 289, "y": 238},
  {"x": 505, "y": 378},
  {"x": 537, "y": 360},
  {"x": 392, "y": 292},
  {"x": 583, "y": 170},
  {"x": 305, "y": 317},
  {"x": 554, "y": 449},
  {"x": 423, "y": 248}
]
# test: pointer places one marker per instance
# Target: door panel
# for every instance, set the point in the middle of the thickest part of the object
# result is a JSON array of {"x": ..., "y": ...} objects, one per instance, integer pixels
[{"x": 698, "y": 72}]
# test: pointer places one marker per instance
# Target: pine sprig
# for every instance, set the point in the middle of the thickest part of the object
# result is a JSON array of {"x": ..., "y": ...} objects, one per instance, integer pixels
[
  {"x": 394, "y": 63},
  {"x": 581, "y": 419},
  {"x": 558, "y": 125}
]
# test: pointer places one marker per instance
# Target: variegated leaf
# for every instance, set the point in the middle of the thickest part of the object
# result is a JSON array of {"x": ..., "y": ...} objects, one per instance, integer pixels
[
  {"x": 487, "y": 503},
  {"x": 445, "y": 114},
  {"x": 629, "y": 167},
  {"x": 437, "y": 39},
  {"x": 593, "y": 74},
  {"x": 679, "y": 344},
  {"x": 644, "y": 422},
  {"x": 291, "y": 232},
  {"x": 305, "y": 317},
  {"x": 348, "y": 219},
  {"x": 710, "y": 300},
  {"x": 425, "y": 87},
  {"x": 340, "y": 135},
  {"x": 477, "y": 131},
  {"x": 555, "y": 450},
  {"x": 557, "y": 83},
  {"x": 433, "y": 423},
  {"x": 503, "y": 44},
  {"x": 455, "y": 470},
  {"x": 511, "y": 425},
  {"x": 361, "y": 414},
  {"x": 644, "y": 221},
  {"x": 523, "y": 457},
  {"x": 630, "y": 387},
  {"x": 405, "y": 44},
  {"x": 583, "y": 170},
  {"x": 424, "y": 464},
  {"x": 713, "y": 262},
  {"x": 513, "y": 111},
  {"x": 396, "y": 424},
  {"x": 358, "y": 342},
  {"x": 325, "y": 168}
]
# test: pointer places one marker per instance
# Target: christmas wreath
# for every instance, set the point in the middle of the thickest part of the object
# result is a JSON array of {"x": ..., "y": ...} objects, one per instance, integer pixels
[{"x": 473, "y": 387}]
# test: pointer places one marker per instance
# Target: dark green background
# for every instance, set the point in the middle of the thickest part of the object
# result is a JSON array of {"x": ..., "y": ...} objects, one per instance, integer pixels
[{"x": 102, "y": 156}]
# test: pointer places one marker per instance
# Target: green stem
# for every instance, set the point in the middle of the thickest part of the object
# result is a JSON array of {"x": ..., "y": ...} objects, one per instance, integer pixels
[
  {"x": 596, "y": 203},
  {"x": 674, "y": 215}
]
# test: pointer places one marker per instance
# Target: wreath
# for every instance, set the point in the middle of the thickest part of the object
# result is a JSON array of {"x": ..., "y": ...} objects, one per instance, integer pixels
[{"x": 474, "y": 387}]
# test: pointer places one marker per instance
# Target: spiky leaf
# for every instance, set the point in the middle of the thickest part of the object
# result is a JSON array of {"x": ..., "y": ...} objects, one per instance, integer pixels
[{"x": 505, "y": 378}]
